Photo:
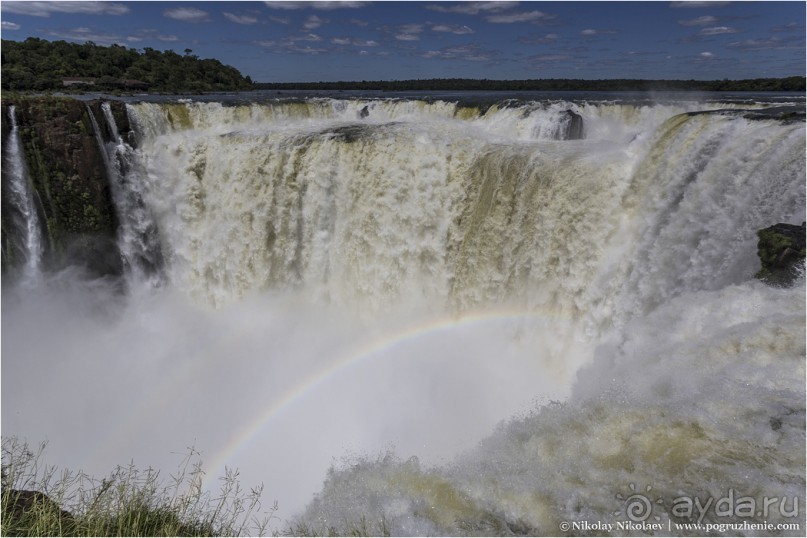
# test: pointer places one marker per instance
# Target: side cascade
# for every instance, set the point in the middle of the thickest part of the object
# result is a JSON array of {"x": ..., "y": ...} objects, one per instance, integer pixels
[
  {"x": 22, "y": 204},
  {"x": 138, "y": 239}
]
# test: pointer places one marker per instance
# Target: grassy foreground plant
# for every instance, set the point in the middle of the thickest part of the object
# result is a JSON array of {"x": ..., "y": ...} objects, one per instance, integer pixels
[{"x": 39, "y": 501}]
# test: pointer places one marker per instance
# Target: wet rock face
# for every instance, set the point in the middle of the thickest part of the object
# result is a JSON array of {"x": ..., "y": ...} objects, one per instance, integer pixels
[
  {"x": 781, "y": 250},
  {"x": 118, "y": 109},
  {"x": 67, "y": 172},
  {"x": 573, "y": 126}
]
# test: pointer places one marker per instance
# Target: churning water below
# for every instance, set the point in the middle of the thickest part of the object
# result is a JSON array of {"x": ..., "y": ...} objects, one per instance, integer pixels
[{"x": 478, "y": 326}]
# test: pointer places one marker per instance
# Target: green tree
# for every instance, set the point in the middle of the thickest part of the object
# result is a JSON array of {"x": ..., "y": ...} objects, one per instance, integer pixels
[{"x": 37, "y": 64}]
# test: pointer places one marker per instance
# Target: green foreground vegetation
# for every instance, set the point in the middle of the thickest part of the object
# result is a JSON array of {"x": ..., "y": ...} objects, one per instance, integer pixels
[{"x": 39, "y": 501}]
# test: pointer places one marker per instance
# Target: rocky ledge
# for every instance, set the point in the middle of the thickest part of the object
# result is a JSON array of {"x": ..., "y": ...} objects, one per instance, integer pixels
[
  {"x": 781, "y": 251},
  {"x": 67, "y": 172}
]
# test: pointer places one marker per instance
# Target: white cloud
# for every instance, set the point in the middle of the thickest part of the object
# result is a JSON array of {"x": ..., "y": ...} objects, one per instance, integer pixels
[
  {"x": 717, "y": 30},
  {"x": 150, "y": 35},
  {"x": 592, "y": 32},
  {"x": 187, "y": 14},
  {"x": 314, "y": 38},
  {"x": 240, "y": 19},
  {"x": 289, "y": 44},
  {"x": 478, "y": 57},
  {"x": 44, "y": 9},
  {"x": 285, "y": 5},
  {"x": 353, "y": 41},
  {"x": 473, "y": 8},
  {"x": 280, "y": 20},
  {"x": 411, "y": 28},
  {"x": 550, "y": 58},
  {"x": 305, "y": 50},
  {"x": 707, "y": 55},
  {"x": 698, "y": 4},
  {"x": 84, "y": 34},
  {"x": 313, "y": 22},
  {"x": 759, "y": 44},
  {"x": 542, "y": 40},
  {"x": 431, "y": 54},
  {"x": 643, "y": 53},
  {"x": 325, "y": 6},
  {"x": 699, "y": 21},
  {"x": 5, "y": 25},
  {"x": 328, "y": 6},
  {"x": 453, "y": 29},
  {"x": 527, "y": 16},
  {"x": 461, "y": 49},
  {"x": 790, "y": 27},
  {"x": 470, "y": 52},
  {"x": 408, "y": 32}
]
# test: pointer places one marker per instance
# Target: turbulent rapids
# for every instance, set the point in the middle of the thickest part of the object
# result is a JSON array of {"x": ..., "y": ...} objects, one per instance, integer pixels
[{"x": 429, "y": 317}]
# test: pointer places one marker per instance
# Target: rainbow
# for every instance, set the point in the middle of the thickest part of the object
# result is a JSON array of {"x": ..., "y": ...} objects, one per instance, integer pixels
[{"x": 376, "y": 349}]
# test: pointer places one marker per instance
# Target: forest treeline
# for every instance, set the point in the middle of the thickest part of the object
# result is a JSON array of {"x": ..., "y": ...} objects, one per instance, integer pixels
[
  {"x": 41, "y": 65},
  {"x": 789, "y": 84}
]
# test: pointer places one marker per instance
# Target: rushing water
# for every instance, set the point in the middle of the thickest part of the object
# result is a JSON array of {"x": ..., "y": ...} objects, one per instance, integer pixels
[
  {"x": 485, "y": 319},
  {"x": 22, "y": 204},
  {"x": 138, "y": 239}
]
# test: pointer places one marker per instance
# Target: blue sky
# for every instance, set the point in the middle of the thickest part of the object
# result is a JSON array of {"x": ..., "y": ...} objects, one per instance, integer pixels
[{"x": 329, "y": 41}]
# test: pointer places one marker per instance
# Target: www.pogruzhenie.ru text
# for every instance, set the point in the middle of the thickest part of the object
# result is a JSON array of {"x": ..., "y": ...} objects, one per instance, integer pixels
[{"x": 733, "y": 527}]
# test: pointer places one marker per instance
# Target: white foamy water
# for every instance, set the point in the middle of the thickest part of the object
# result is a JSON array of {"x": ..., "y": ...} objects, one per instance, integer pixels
[
  {"x": 22, "y": 204},
  {"x": 477, "y": 326},
  {"x": 138, "y": 240}
]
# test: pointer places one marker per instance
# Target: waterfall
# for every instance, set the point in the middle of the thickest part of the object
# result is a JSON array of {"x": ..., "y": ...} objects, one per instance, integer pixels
[
  {"x": 705, "y": 205},
  {"x": 388, "y": 206},
  {"x": 138, "y": 239},
  {"x": 437, "y": 318},
  {"x": 383, "y": 208},
  {"x": 23, "y": 203},
  {"x": 106, "y": 108}
]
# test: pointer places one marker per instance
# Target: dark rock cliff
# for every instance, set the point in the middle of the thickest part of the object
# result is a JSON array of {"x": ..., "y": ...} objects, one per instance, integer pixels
[
  {"x": 572, "y": 128},
  {"x": 67, "y": 171},
  {"x": 781, "y": 251}
]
